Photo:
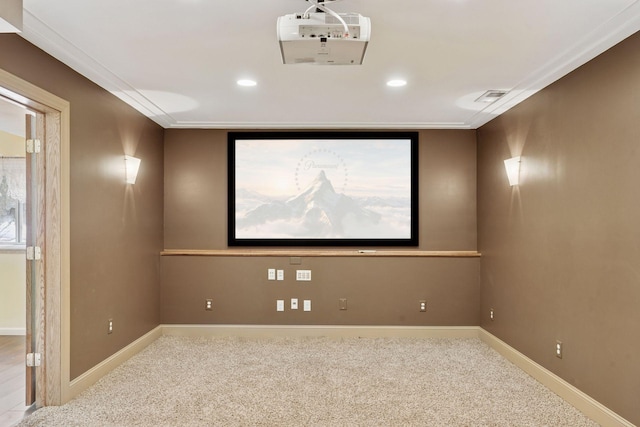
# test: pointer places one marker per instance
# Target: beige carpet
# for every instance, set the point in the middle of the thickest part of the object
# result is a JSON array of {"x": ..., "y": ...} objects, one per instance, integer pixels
[{"x": 315, "y": 382}]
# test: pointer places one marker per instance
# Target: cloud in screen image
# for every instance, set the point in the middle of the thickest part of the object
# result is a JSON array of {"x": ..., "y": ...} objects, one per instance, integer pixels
[{"x": 311, "y": 189}]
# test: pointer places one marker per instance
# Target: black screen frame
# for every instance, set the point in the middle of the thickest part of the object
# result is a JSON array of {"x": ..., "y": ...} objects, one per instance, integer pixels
[{"x": 233, "y": 241}]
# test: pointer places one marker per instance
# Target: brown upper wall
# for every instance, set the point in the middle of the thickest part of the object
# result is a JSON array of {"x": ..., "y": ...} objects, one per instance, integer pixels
[
  {"x": 196, "y": 190},
  {"x": 561, "y": 251},
  {"x": 380, "y": 291},
  {"x": 116, "y": 231}
]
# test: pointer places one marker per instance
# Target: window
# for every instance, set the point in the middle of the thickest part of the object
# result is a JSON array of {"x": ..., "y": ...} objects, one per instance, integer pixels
[{"x": 13, "y": 229}]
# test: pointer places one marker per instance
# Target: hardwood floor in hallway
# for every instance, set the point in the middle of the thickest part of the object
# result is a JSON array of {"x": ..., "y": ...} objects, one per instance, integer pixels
[{"x": 12, "y": 379}]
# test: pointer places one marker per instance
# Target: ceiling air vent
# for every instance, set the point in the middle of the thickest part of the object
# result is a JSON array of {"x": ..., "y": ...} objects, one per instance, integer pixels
[{"x": 491, "y": 96}]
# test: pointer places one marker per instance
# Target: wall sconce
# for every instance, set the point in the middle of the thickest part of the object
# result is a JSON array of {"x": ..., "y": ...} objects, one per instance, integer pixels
[
  {"x": 131, "y": 166},
  {"x": 512, "y": 166}
]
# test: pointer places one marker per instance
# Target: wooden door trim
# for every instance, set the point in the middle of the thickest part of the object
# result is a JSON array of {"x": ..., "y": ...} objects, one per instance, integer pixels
[{"x": 55, "y": 369}]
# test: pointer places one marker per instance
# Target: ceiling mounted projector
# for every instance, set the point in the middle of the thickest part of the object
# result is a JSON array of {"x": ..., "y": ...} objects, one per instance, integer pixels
[{"x": 323, "y": 37}]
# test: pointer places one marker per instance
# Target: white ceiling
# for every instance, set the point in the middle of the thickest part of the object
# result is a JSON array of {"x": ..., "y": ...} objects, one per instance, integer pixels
[{"x": 177, "y": 61}]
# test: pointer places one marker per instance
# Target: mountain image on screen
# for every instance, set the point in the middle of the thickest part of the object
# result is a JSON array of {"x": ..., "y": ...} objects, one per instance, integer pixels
[{"x": 316, "y": 212}]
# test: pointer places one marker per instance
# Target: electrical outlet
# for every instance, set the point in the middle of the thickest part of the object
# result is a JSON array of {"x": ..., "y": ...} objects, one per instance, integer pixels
[
  {"x": 110, "y": 326},
  {"x": 423, "y": 305},
  {"x": 342, "y": 303},
  {"x": 280, "y": 274},
  {"x": 280, "y": 305},
  {"x": 559, "y": 349},
  {"x": 491, "y": 314},
  {"x": 306, "y": 304},
  {"x": 208, "y": 304},
  {"x": 271, "y": 274}
]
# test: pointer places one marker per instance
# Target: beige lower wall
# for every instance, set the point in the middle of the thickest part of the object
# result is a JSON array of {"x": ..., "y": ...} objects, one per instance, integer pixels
[{"x": 12, "y": 293}]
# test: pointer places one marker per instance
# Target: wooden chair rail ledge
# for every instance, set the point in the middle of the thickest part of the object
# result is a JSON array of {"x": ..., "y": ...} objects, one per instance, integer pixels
[{"x": 318, "y": 253}]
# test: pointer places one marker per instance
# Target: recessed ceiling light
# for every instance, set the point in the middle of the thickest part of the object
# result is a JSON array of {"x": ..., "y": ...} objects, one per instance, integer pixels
[
  {"x": 246, "y": 82},
  {"x": 396, "y": 83}
]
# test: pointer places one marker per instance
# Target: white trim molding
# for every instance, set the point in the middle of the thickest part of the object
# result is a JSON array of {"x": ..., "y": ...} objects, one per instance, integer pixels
[
  {"x": 13, "y": 331},
  {"x": 332, "y": 331}
]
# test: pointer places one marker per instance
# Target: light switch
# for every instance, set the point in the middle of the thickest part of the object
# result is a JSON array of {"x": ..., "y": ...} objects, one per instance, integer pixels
[{"x": 294, "y": 303}]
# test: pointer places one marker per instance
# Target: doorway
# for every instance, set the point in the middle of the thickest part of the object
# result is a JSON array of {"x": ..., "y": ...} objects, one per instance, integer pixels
[
  {"x": 13, "y": 286},
  {"x": 51, "y": 308}
]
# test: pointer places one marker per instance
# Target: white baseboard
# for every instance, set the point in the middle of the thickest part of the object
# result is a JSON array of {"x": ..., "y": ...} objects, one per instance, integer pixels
[
  {"x": 86, "y": 380},
  {"x": 337, "y": 331},
  {"x": 581, "y": 401},
  {"x": 13, "y": 331}
]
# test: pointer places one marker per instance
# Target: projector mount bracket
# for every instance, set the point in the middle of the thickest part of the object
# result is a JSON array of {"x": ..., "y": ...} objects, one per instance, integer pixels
[{"x": 319, "y": 5}]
